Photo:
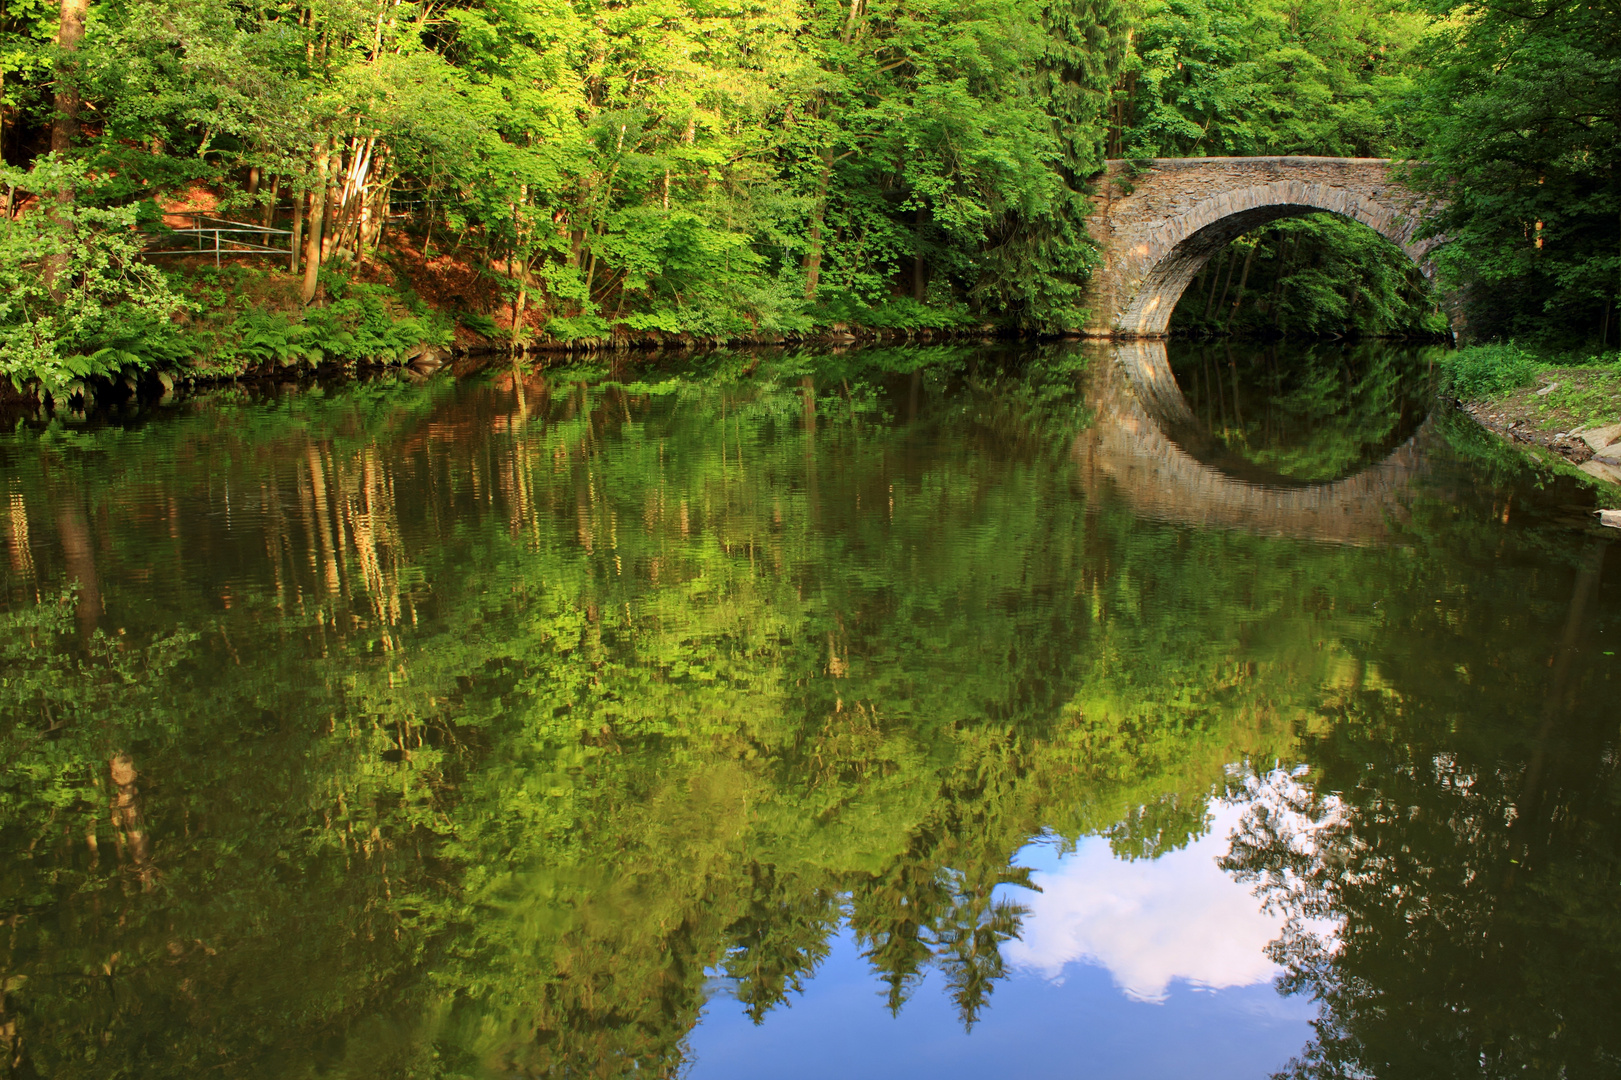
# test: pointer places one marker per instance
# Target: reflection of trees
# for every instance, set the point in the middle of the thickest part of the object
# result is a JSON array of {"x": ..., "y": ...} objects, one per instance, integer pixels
[
  {"x": 1308, "y": 415},
  {"x": 1468, "y": 856},
  {"x": 524, "y": 705}
]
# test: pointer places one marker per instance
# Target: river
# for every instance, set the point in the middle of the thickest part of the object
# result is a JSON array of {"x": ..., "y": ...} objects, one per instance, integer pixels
[{"x": 1231, "y": 711}]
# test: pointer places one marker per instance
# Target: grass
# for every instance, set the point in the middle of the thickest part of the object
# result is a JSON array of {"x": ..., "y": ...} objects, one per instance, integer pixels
[
  {"x": 1585, "y": 398},
  {"x": 1586, "y": 390}
]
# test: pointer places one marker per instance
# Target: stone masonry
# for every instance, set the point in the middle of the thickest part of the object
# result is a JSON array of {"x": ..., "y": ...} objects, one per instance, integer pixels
[{"x": 1156, "y": 227}]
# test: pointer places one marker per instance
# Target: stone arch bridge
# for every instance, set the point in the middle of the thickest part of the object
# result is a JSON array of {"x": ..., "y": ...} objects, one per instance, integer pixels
[{"x": 1158, "y": 225}]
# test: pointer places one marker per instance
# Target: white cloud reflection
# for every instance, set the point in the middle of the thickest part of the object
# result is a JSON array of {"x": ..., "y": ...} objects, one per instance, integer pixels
[{"x": 1149, "y": 922}]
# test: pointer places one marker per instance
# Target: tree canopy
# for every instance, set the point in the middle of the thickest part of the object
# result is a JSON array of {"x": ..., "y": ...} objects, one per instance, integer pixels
[{"x": 638, "y": 168}]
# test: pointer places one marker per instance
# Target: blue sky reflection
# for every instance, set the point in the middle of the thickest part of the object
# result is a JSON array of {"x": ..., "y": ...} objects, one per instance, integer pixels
[{"x": 1125, "y": 969}]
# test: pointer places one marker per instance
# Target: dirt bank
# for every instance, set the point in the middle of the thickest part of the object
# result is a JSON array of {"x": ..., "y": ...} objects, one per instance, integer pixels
[{"x": 1574, "y": 412}]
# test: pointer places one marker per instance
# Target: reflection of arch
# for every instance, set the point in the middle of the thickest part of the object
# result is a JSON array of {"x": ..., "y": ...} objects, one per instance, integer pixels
[
  {"x": 1167, "y": 222},
  {"x": 1136, "y": 401}
]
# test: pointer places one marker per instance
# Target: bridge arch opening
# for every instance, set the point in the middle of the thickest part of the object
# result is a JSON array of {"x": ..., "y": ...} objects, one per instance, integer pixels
[
  {"x": 1292, "y": 415},
  {"x": 1158, "y": 229},
  {"x": 1149, "y": 313}
]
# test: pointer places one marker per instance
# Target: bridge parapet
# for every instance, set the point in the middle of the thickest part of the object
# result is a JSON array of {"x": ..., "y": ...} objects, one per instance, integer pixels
[{"x": 1157, "y": 226}]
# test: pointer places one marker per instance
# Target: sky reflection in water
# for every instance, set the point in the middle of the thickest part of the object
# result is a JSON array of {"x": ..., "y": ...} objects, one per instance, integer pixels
[{"x": 1124, "y": 968}]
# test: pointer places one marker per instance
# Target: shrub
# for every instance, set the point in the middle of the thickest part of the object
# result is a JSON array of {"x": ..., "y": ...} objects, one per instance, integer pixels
[
  {"x": 369, "y": 322},
  {"x": 75, "y": 299},
  {"x": 1480, "y": 371}
]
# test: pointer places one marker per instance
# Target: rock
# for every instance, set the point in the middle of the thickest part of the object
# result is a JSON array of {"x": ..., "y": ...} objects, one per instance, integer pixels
[
  {"x": 1603, "y": 469},
  {"x": 1612, "y": 518},
  {"x": 1600, "y": 438},
  {"x": 428, "y": 360}
]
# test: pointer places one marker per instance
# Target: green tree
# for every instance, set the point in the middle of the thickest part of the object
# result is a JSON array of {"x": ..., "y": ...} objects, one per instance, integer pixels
[{"x": 1521, "y": 124}]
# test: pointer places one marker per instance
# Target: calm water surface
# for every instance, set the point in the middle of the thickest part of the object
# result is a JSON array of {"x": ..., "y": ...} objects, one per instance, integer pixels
[{"x": 1071, "y": 712}]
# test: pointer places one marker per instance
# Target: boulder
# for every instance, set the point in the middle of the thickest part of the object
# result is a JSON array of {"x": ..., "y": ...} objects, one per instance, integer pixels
[
  {"x": 1602, "y": 438},
  {"x": 428, "y": 360},
  {"x": 1602, "y": 469}
]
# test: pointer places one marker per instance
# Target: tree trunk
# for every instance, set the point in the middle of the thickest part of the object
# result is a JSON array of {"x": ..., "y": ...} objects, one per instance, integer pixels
[
  {"x": 1555, "y": 705},
  {"x": 79, "y": 555},
  {"x": 312, "y": 241},
  {"x": 1281, "y": 275},
  {"x": 70, "y": 29},
  {"x": 919, "y": 281},
  {"x": 1210, "y": 304},
  {"x": 298, "y": 231},
  {"x": 517, "y": 316},
  {"x": 334, "y": 203},
  {"x": 378, "y": 220},
  {"x": 65, "y": 122},
  {"x": 1243, "y": 281},
  {"x": 127, "y": 816},
  {"x": 270, "y": 208},
  {"x": 813, "y": 260},
  {"x": 1227, "y": 284}
]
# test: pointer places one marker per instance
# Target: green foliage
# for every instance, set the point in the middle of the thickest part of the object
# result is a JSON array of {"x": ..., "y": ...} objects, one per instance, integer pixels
[
  {"x": 553, "y": 780},
  {"x": 364, "y": 322},
  {"x": 1483, "y": 371},
  {"x": 1577, "y": 391},
  {"x": 1311, "y": 415},
  {"x": 53, "y": 680},
  {"x": 604, "y": 169},
  {"x": 271, "y": 339},
  {"x": 535, "y": 712},
  {"x": 358, "y": 322},
  {"x": 75, "y": 301},
  {"x": 902, "y": 313},
  {"x": 644, "y": 167},
  {"x": 1218, "y": 77},
  {"x": 1315, "y": 276},
  {"x": 1521, "y": 121},
  {"x": 1221, "y": 78},
  {"x": 1582, "y": 398},
  {"x": 479, "y": 324}
]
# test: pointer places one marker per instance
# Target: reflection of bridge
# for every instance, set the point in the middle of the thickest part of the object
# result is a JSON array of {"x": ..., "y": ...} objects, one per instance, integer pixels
[
  {"x": 1158, "y": 226},
  {"x": 1137, "y": 402}
]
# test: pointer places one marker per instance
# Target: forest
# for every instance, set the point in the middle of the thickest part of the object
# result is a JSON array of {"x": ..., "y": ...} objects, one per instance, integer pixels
[{"x": 635, "y": 170}]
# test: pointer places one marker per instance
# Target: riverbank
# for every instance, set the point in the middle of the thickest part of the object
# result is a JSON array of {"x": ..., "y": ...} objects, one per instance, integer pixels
[
  {"x": 1572, "y": 410},
  {"x": 404, "y": 309}
]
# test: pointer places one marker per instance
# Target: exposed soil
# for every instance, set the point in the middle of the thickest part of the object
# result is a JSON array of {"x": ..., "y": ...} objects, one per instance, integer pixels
[
  {"x": 178, "y": 207},
  {"x": 447, "y": 283}
]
